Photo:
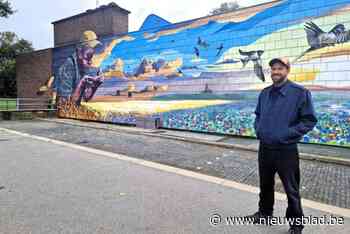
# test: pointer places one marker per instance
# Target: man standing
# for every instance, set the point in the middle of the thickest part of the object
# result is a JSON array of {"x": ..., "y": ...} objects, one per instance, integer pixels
[{"x": 283, "y": 115}]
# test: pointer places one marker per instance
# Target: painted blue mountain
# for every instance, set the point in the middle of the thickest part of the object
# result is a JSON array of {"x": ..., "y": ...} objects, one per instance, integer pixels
[{"x": 153, "y": 21}]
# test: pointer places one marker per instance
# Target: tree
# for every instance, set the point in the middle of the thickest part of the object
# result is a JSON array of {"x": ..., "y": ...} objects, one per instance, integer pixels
[
  {"x": 10, "y": 47},
  {"x": 225, "y": 7},
  {"x": 5, "y": 9}
]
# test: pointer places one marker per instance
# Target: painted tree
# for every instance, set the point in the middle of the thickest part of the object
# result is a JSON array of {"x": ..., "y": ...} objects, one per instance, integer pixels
[{"x": 225, "y": 7}]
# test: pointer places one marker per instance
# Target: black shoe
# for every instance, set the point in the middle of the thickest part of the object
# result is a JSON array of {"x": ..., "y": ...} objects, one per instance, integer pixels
[
  {"x": 295, "y": 230},
  {"x": 258, "y": 218}
]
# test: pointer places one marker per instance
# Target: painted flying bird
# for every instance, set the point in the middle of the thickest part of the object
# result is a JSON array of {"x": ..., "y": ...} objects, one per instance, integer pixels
[
  {"x": 202, "y": 43},
  {"x": 255, "y": 57},
  {"x": 46, "y": 87},
  {"x": 196, "y": 51},
  {"x": 219, "y": 49},
  {"x": 317, "y": 38},
  {"x": 227, "y": 61}
]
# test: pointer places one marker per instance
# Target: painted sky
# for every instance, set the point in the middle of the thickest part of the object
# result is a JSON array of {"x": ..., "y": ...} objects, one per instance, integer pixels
[
  {"x": 32, "y": 20},
  {"x": 229, "y": 35}
]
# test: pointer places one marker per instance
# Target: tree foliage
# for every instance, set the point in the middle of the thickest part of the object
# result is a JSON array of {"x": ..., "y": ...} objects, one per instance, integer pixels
[
  {"x": 5, "y": 9},
  {"x": 10, "y": 47},
  {"x": 225, "y": 7}
]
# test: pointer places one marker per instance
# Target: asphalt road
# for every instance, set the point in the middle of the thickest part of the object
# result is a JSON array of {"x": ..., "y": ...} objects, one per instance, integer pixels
[{"x": 50, "y": 188}]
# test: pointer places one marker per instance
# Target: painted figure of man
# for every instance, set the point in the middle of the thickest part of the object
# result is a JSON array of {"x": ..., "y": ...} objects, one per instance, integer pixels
[{"x": 77, "y": 79}]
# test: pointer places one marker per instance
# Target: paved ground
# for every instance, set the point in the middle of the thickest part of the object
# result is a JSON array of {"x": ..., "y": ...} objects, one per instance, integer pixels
[
  {"x": 316, "y": 149},
  {"x": 48, "y": 188},
  {"x": 322, "y": 182}
]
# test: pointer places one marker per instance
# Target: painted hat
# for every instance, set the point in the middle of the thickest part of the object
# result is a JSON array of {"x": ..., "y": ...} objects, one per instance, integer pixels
[{"x": 90, "y": 38}]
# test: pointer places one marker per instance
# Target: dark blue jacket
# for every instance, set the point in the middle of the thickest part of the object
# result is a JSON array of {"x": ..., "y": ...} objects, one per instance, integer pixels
[{"x": 283, "y": 116}]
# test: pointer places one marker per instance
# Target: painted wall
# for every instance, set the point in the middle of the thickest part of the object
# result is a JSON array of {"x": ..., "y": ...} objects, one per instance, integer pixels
[{"x": 205, "y": 74}]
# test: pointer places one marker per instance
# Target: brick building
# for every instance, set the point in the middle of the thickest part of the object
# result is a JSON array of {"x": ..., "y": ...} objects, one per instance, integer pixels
[
  {"x": 32, "y": 69},
  {"x": 106, "y": 20}
]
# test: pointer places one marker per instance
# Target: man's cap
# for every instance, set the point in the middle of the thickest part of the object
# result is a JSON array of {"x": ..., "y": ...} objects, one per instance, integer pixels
[
  {"x": 282, "y": 60},
  {"x": 90, "y": 38}
]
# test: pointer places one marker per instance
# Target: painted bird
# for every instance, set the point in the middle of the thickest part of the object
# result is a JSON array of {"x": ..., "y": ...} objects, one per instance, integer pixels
[
  {"x": 219, "y": 49},
  {"x": 317, "y": 38},
  {"x": 202, "y": 43},
  {"x": 255, "y": 57},
  {"x": 196, "y": 51},
  {"x": 46, "y": 87}
]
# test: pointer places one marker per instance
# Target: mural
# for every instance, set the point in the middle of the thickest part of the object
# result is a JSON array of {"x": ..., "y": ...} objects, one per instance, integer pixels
[{"x": 205, "y": 74}]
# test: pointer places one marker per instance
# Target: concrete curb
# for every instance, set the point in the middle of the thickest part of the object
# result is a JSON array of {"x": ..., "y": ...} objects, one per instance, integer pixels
[{"x": 155, "y": 133}]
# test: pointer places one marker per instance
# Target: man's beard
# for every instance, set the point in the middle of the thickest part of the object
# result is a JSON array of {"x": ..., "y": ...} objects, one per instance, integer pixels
[{"x": 280, "y": 80}]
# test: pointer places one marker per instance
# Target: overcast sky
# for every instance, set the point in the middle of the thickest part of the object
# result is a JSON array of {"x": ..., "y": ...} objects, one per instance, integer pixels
[{"x": 32, "y": 21}]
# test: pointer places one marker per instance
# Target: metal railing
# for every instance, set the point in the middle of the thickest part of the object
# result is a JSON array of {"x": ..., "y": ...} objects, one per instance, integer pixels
[{"x": 26, "y": 104}]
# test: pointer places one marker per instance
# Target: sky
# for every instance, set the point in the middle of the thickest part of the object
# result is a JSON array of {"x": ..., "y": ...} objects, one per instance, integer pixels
[{"x": 32, "y": 20}]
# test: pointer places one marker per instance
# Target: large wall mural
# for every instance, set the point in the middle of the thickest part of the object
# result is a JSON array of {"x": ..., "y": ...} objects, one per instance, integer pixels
[{"x": 205, "y": 74}]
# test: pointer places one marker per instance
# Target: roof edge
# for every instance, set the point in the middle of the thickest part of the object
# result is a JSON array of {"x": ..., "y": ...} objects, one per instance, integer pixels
[{"x": 111, "y": 5}]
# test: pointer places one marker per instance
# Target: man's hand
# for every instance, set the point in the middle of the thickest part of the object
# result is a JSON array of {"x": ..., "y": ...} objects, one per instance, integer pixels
[{"x": 86, "y": 88}]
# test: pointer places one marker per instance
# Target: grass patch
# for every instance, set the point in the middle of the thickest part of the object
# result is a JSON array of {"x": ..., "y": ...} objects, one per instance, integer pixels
[{"x": 8, "y": 104}]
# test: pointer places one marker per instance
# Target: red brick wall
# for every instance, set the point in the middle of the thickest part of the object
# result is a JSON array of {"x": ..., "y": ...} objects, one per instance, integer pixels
[
  {"x": 32, "y": 71},
  {"x": 103, "y": 22}
]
